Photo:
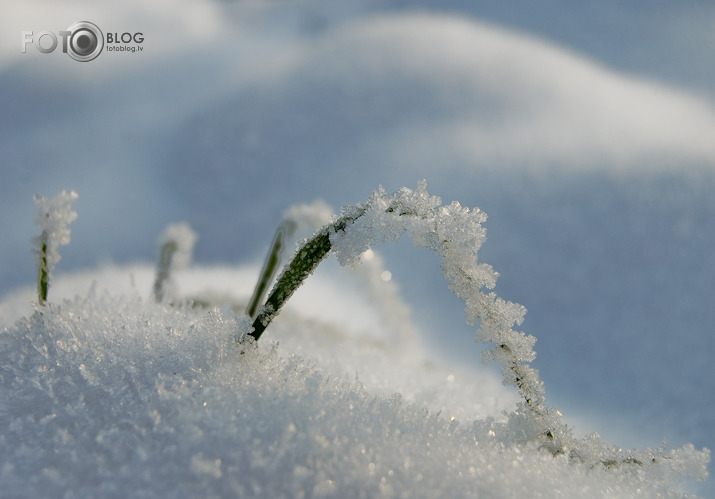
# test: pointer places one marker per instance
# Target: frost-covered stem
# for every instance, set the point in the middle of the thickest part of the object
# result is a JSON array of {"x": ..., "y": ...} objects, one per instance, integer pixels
[
  {"x": 53, "y": 216},
  {"x": 42, "y": 272},
  {"x": 177, "y": 245},
  {"x": 163, "y": 270},
  {"x": 303, "y": 264},
  {"x": 455, "y": 234}
]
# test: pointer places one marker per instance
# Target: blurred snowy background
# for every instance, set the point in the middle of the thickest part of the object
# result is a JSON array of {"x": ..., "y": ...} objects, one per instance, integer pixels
[{"x": 586, "y": 132}]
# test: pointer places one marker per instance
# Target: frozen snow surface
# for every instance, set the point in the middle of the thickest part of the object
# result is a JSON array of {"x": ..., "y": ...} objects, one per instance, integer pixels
[
  {"x": 118, "y": 396},
  {"x": 583, "y": 129}
]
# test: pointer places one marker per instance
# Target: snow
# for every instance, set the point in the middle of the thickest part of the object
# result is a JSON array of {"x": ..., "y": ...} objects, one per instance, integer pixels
[
  {"x": 117, "y": 395},
  {"x": 586, "y": 137}
]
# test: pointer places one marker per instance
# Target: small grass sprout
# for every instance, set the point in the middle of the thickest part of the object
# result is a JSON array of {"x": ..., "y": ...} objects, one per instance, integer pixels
[
  {"x": 53, "y": 216},
  {"x": 176, "y": 250}
]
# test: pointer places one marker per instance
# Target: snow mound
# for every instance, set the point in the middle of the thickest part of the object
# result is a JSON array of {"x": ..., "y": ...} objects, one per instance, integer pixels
[{"x": 119, "y": 396}]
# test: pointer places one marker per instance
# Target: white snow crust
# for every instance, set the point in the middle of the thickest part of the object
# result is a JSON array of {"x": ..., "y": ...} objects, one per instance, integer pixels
[{"x": 117, "y": 396}]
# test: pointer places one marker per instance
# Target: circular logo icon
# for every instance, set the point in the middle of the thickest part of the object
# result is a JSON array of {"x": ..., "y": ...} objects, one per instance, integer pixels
[{"x": 86, "y": 41}]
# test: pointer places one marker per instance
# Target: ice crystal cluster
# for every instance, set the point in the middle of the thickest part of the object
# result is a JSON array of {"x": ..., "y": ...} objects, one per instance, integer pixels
[{"x": 117, "y": 395}]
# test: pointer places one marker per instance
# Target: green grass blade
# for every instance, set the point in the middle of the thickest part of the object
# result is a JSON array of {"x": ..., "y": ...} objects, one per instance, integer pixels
[
  {"x": 303, "y": 264},
  {"x": 269, "y": 269},
  {"x": 43, "y": 273}
]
